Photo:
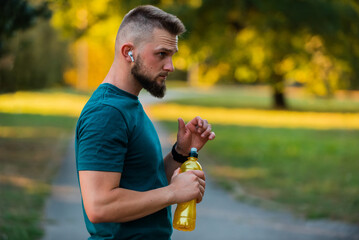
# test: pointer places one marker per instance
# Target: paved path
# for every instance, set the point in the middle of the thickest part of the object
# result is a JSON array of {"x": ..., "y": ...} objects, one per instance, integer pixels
[
  {"x": 63, "y": 211},
  {"x": 219, "y": 216}
]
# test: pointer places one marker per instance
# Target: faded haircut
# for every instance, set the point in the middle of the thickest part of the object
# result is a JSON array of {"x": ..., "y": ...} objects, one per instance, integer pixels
[{"x": 139, "y": 23}]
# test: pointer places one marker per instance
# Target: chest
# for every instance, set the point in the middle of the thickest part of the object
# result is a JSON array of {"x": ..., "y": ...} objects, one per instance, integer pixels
[{"x": 143, "y": 166}]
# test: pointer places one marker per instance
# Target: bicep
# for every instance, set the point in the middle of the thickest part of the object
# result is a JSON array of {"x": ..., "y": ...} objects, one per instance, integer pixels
[
  {"x": 97, "y": 185},
  {"x": 105, "y": 201},
  {"x": 102, "y": 140}
]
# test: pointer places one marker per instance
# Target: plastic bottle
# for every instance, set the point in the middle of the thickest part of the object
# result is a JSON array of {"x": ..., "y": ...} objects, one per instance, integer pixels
[{"x": 185, "y": 215}]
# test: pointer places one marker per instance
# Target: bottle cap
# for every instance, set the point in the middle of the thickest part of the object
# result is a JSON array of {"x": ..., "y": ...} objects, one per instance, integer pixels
[{"x": 193, "y": 152}]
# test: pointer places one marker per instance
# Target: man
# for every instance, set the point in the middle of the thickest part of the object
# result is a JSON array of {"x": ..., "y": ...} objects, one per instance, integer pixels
[{"x": 122, "y": 174}]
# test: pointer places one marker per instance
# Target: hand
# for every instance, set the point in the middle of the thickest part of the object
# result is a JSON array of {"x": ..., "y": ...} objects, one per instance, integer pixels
[
  {"x": 188, "y": 185},
  {"x": 193, "y": 134}
]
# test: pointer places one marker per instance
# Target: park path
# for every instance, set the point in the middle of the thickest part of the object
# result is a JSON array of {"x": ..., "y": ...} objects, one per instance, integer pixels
[{"x": 219, "y": 215}]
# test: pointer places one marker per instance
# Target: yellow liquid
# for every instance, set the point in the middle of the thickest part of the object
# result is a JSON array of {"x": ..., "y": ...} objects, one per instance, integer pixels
[{"x": 185, "y": 215}]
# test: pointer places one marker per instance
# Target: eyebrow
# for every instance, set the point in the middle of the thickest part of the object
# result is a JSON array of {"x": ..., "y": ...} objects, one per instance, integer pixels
[{"x": 167, "y": 50}]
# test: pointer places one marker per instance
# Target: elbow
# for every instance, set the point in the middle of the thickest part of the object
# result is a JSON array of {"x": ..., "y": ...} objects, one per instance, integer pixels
[
  {"x": 95, "y": 214},
  {"x": 95, "y": 218},
  {"x": 98, "y": 214}
]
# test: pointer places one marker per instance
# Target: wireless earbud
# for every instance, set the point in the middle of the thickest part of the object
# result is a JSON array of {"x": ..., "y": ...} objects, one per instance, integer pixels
[{"x": 131, "y": 56}]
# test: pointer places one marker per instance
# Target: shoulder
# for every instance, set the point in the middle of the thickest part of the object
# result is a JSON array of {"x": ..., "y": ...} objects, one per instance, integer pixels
[
  {"x": 109, "y": 107},
  {"x": 100, "y": 110},
  {"x": 99, "y": 117}
]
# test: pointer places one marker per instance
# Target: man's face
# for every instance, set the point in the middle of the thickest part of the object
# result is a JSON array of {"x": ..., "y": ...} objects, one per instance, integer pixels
[{"x": 154, "y": 62}]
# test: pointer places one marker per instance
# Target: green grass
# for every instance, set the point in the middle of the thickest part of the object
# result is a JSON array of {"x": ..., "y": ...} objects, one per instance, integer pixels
[
  {"x": 31, "y": 149},
  {"x": 312, "y": 172},
  {"x": 20, "y": 213},
  {"x": 33, "y": 120},
  {"x": 260, "y": 98}
]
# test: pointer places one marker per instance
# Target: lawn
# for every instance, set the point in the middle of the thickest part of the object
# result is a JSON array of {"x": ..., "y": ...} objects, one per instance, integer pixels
[
  {"x": 35, "y": 130},
  {"x": 304, "y": 160},
  {"x": 260, "y": 97}
]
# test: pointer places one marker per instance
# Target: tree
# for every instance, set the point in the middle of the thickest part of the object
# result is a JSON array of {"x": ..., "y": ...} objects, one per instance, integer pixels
[
  {"x": 92, "y": 27},
  {"x": 260, "y": 39},
  {"x": 31, "y": 55},
  {"x": 313, "y": 43},
  {"x": 18, "y": 15},
  {"x": 38, "y": 59}
]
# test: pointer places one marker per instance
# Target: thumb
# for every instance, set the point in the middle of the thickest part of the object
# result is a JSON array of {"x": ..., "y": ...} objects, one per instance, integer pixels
[
  {"x": 175, "y": 173},
  {"x": 181, "y": 127}
]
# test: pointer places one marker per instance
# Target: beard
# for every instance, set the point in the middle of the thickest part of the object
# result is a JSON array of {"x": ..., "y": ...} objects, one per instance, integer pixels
[{"x": 151, "y": 85}]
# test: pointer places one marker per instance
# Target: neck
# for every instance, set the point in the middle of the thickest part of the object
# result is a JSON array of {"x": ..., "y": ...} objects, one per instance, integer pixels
[{"x": 120, "y": 76}]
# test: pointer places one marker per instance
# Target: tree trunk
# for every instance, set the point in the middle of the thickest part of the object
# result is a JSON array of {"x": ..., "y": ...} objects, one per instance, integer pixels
[{"x": 279, "y": 101}]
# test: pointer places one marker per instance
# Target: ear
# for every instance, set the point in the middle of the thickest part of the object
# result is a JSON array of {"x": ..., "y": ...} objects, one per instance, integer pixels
[{"x": 125, "y": 49}]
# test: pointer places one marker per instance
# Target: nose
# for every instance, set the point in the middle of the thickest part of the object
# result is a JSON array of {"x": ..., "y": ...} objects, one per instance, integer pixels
[{"x": 168, "y": 67}]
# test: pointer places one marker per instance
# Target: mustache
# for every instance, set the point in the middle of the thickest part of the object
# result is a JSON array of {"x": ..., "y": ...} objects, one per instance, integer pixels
[{"x": 163, "y": 74}]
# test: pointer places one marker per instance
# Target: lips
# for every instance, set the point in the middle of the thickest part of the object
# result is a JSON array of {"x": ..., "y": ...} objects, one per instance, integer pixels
[{"x": 164, "y": 76}]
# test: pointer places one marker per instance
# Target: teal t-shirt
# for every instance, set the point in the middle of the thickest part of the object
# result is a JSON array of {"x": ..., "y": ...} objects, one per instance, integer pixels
[{"x": 114, "y": 134}]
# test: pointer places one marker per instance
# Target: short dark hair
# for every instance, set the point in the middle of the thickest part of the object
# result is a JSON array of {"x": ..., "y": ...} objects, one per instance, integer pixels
[
  {"x": 153, "y": 17},
  {"x": 142, "y": 20}
]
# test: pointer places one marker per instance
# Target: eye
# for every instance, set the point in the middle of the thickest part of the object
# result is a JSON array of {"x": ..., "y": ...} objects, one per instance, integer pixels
[{"x": 162, "y": 54}]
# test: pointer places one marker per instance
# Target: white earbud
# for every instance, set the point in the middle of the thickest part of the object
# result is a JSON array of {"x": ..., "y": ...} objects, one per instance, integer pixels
[{"x": 131, "y": 56}]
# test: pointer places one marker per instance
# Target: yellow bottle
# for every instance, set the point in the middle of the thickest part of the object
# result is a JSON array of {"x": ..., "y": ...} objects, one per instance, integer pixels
[{"x": 185, "y": 215}]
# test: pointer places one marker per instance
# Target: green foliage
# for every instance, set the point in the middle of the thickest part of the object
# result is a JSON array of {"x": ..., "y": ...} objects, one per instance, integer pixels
[
  {"x": 76, "y": 18},
  {"x": 28, "y": 163},
  {"x": 18, "y": 15},
  {"x": 267, "y": 41},
  {"x": 31, "y": 55},
  {"x": 310, "y": 43},
  {"x": 37, "y": 59}
]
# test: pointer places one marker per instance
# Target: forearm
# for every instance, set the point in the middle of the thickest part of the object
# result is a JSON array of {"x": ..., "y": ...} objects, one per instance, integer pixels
[
  {"x": 170, "y": 166},
  {"x": 105, "y": 201},
  {"x": 122, "y": 205}
]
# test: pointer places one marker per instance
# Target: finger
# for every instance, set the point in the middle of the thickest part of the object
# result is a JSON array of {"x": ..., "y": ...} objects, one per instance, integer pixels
[
  {"x": 212, "y": 136},
  {"x": 175, "y": 173},
  {"x": 181, "y": 127},
  {"x": 199, "y": 174},
  {"x": 201, "y": 194},
  {"x": 207, "y": 132},
  {"x": 195, "y": 124},
  {"x": 202, "y": 190},
  {"x": 192, "y": 125},
  {"x": 199, "y": 121},
  {"x": 203, "y": 128},
  {"x": 205, "y": 124},
  {"x": 202, "y": 183}
]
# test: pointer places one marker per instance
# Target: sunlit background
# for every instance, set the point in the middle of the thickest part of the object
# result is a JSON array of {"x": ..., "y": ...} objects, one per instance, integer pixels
[{"x": 278, "y": 80}]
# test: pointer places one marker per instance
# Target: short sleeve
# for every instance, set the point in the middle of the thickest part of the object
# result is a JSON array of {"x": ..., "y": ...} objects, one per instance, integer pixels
[{"x": 102, "y": 138}]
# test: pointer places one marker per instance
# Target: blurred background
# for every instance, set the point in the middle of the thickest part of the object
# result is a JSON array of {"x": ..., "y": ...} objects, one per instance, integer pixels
[{"x": 278, "y": 80}]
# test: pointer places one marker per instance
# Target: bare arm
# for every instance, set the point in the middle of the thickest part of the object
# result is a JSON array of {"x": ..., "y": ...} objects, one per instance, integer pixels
[
  {"x": 105, "y": 201},
  {"x": 170, "y": 166}
]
